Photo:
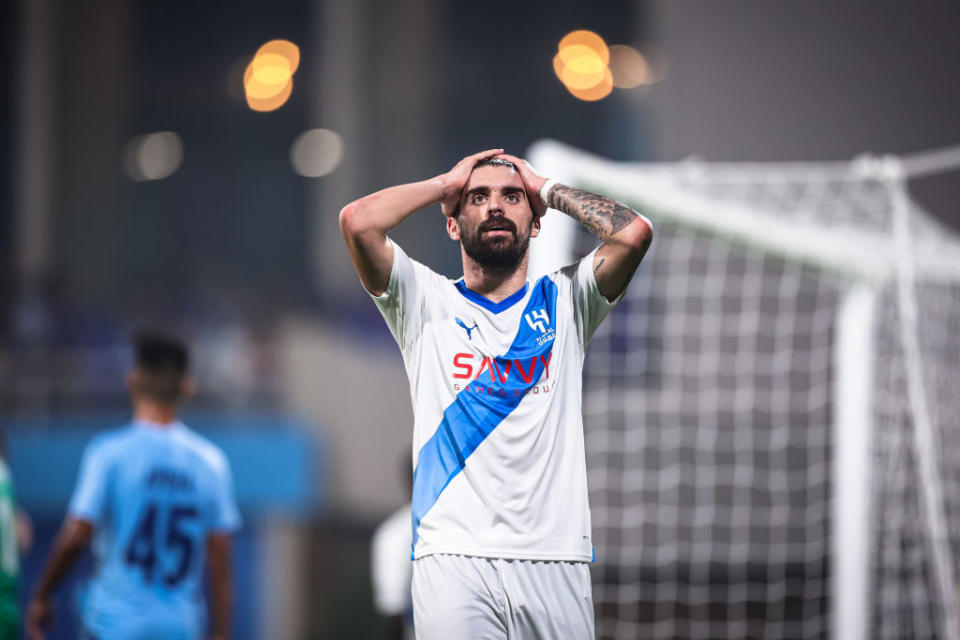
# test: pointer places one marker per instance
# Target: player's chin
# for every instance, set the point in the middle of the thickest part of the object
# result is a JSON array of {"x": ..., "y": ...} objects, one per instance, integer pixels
[{"x": 499, "y": 239}]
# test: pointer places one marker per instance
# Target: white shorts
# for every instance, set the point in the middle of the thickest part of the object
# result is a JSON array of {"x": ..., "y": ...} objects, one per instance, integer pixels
[{"x": 492, "y": 598}]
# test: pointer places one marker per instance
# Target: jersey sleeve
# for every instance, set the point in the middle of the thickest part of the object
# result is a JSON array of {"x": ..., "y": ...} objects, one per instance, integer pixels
[
  {"x": 590, "y": 306},
  {"x": 89, "y": 501},
  {"x": 224, "y": 515},
  {"x": 402, "y": 303}
]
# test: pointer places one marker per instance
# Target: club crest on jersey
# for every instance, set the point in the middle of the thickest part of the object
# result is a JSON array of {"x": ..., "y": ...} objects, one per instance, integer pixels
[
  {"x": 469, "y": 330},
  {"x": 539, "y": 320}
]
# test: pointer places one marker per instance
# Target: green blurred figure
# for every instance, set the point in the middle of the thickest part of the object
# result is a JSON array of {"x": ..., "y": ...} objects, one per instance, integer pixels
[{"x": 9, "y": 557}]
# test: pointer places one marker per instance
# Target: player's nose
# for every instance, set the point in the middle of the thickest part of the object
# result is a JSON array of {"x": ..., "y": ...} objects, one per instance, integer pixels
[{"x": 494, "y": 205}]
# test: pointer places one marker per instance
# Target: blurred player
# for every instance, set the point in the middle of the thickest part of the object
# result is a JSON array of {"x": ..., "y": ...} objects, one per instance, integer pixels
[
  {"x": 391, "y": 568},
  {"x": 157, "y": 501},
  {"x": 501, "y": 525},
  {"x": 15, "y": 534}
]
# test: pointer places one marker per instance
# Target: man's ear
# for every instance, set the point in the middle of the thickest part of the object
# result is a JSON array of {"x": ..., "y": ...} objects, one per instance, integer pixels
[
  {"x": 535, "y": 229},
  {"x": 453, "y": 229},
  {"x": 187, "y": 387},
  {"x": 131, "y": 381}
]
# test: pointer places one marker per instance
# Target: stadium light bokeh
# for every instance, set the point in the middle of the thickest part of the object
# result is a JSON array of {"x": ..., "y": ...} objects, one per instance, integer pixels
[
  {"x": 260, "y": 99},
  {"x": 598, "y": 91},
  {"x": 588, "y": 39},
  {"x": 590, "y": 69},
  {"x": 284, "y": 49},
  {"x": 581, "y": 65},
  {"x": 271, "y": 69},
  {"x": 268, "y": 79},
  {"x": 628, "y": 67},
  {"x": 152, "y": 156},
  {"x": 316, "y": 153}
]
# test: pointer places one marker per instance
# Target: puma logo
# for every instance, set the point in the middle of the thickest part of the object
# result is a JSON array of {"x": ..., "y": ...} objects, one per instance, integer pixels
[{"x": 469, "y": 330}]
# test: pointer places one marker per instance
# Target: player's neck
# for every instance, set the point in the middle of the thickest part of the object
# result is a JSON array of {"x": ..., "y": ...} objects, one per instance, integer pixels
[
  {"x": 493, "y": 284},
  {"x": 154, "y": 412}
]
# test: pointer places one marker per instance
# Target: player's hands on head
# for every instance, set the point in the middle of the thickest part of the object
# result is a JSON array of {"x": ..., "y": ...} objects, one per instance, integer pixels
[
  {"x": 39, "y": 617},
  {"x": 532, "y": 181},
  {"x": 455, "y": 179}
]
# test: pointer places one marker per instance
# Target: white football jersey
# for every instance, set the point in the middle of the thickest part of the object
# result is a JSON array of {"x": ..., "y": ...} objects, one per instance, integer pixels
[{"x": 499, "y": 468}]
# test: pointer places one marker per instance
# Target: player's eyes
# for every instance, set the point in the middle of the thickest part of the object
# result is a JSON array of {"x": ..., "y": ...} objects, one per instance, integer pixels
[
  {"x": 513, "y": 198},
  {"x": 478, "y": 198}
]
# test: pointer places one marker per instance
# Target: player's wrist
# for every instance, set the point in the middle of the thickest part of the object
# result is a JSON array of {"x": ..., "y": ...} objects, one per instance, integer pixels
[
  {"x": 545, "y": 190},
  {"x": 449, "y": 186}
]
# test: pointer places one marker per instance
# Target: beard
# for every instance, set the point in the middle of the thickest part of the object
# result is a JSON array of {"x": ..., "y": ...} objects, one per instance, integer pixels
[{"x": 500, "y": 253}]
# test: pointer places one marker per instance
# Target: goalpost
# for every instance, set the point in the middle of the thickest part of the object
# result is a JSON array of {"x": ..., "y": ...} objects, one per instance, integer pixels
[{"x": 772, "y": 415}]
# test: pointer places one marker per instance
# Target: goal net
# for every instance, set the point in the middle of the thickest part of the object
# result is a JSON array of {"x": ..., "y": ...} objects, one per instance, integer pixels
[{"x": 772, "y": 413}]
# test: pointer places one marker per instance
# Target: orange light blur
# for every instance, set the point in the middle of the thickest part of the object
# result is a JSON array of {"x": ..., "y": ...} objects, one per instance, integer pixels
[
  {"x": 254, "y": 88},
  {"x": 581, "y": 59},
  {"x": 273, "y": 102},
  {"x": 570, "y": 77},
  {"x": 587, "y": 39},
  {"x": 581, "y": 73},
  {"x": 596, "y": 92},
  {"x": 268, "y": 79},
  {"x": 270, "y": 68},
  {"x": 283, "y": 48},
  {"x": 581, "y": 64}
]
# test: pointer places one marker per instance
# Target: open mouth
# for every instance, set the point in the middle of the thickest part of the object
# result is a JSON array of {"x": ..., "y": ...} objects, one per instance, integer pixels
[{"x": 498, "y": 229}]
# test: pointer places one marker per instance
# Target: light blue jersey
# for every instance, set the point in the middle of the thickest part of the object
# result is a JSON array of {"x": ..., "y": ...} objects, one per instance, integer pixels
[{"x": 154, "y": 493}]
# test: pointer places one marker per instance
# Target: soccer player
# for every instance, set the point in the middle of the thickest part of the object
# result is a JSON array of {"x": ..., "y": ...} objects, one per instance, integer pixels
[
  {"x": 157, "y": 501},
  {"x": 12, "y": 525},
  {"x": 391, "y": 569},
  {"x": 501, "y": 525}
]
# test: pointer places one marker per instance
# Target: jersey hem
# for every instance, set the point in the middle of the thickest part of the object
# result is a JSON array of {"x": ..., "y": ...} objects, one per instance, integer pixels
[{"x": 507, "y": 554}]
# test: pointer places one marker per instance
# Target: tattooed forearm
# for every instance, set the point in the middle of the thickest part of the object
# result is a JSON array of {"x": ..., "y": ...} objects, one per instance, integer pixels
[{"x": 602, "y": 216}]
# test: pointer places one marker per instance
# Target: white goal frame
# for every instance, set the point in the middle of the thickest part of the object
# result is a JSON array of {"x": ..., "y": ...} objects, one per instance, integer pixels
[{"x": 861, "y": 261}]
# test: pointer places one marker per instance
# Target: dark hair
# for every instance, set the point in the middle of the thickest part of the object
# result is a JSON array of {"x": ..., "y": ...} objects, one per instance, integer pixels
[
  {"x": 495, "y": 162},
  {"x": 162, "y": 361}
]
